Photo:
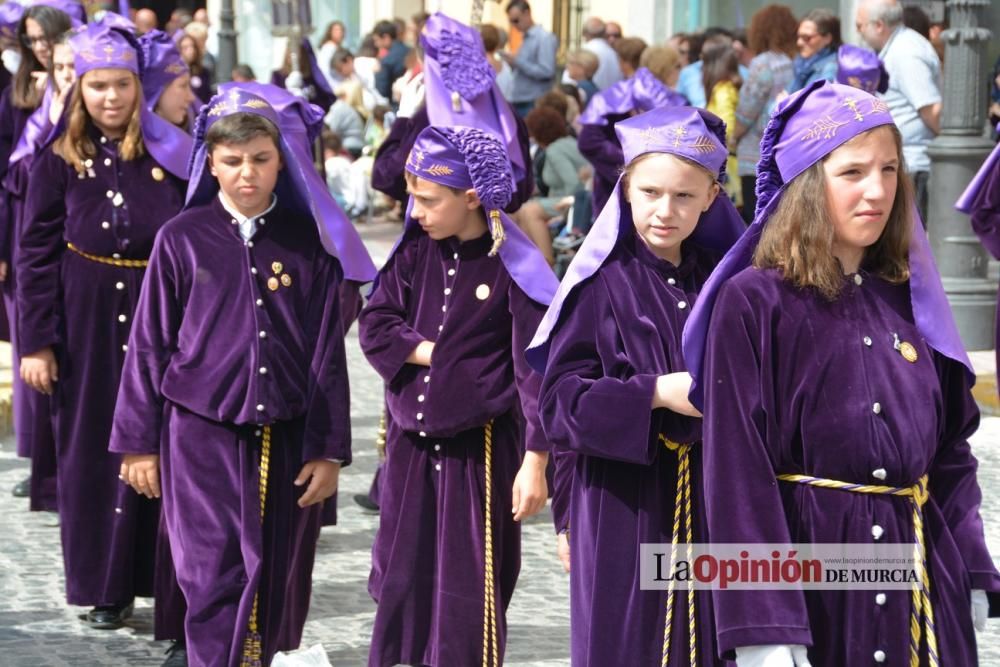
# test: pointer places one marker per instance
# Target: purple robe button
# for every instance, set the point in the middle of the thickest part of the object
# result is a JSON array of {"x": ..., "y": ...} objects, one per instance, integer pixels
[
  {"x": 124, "y": 348},
  {"x": 437, "y": 466},
  {"x": 257, "y": 433},
  {"x": 877, "y": 531},
  {"x": 263, "y": 334},
  {"x": 444, "y": 309},
  {"x": 260, "y": 407},
  {"x": 420, "y": 416},
  {"x": 249, "y": 244},
  {"x": 427, "y": 378},
  {"x": 879, "y": 473},
  {"x": 858, "y": 279},
  {"x": 110, "y": 194},
  {"x": 116, "y": 255},
  {"x": 260, "y": 302},
  {"x": 119, "y": 286},
  {"x": 263, "y": 370},
  {"x": 879, "y": 656},
  {"x": 682, "y": 304},
  {"x": 107, "y": 162},
  {"x": 440, "y": 327},
  {"x": 455, "y": 256},
  {"x": 451, "y": 272},
  {"x": 118, "y": 510},
  {"x": 423, "y": 434},
  {"x": 105, "y": 225},
  {"x": 253, "y": 270},
  {"x": 671, "y": 281},
  {"x": 880, "y": 599},
  {"x": 420, "y": 398},
  {"x": 877, "y": 408},
  {"x": 234, "y": 221},
  {"x": 123, "y": 318},
  {"x": 104, "y": 140},
  {"x": 447, "y": 291},
  {"x": 437, "y": 448},
  {"x": 262, "y": 221},
  {"x": 868, "y": 341}
]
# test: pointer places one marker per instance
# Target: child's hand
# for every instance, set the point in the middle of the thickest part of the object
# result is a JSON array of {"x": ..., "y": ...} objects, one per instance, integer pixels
[
  {"x": 39, "y": 370},
  {"x": 142, "y": 473},
  {"x": 672, "y": 393},
  {"x": 325, "y": 475},
  {"x": 562, "y": 550},
  {"x": 530, "y": 489}
]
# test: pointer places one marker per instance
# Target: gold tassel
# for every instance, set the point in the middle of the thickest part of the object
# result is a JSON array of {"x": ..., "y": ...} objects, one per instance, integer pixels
[
  {"x": 253, "y": 650},
  {"x": 456, "y": 102},
  {"x": 380, "y": 438},
  {"x": 496, "y": 230}
]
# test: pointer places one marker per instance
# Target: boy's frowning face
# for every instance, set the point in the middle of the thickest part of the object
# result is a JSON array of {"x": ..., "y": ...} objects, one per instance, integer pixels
[
  {"x": 247, "y": 173},
  {"x": 442, "y": 212}
]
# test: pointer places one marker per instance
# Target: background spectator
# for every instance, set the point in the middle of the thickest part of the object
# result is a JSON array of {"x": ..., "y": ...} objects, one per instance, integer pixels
[
  {"x": 495, "y": 39},
  {"x": 580, "y": 68},
  {"x": 914, "y": 94},
  {"x": 681, "y": 42},
  {"x": 347, "y": 117},
  {"x": 629, "y": 51},
  {"x": 664, "y": 62},
  {"x": 690, "y": 83},
  {"x": 608, "y": 71},
  {"x": 243, "y": 73},
  {"x": 201, "y": 78},
  {"x": 145, "y": 20},
  {"x": 772, "y": 36},
  {"x": 333, "y": 41},
  {"x": 612, "y": 32},
  {"x": 558, "y": 161},
  {"x": 818, "y": 40},
  {"x": 721, "y": 77},
  {"x": 534, "y": 65},
  {"x": 392, "y": 65}
]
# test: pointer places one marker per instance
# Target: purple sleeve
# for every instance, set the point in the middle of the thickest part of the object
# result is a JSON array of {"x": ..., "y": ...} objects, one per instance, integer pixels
[
  {"x": 986, "y": 214},
  {"x": 153, "y": 339},
  {"x": 386, "y": 337},
  {"x": 562, "y": 489},
  {"x": 742, "y": 498},
  {"x": 328, "y": 406},
  {"x": 953, "y": 483},
  {"x": 390, "y": 160},
  {"x": 602, "y": 151},
  {"x": 583, "y": 408},
  {"x": 526, "y": 315},
  {"x": 40, "y": 255}
]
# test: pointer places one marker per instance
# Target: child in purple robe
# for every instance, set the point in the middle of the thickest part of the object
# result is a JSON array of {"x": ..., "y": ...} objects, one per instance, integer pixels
[
  {"x": 111, "y": 179},
  {"x": 614, "y": 395},
  {"x": 837, "y": 400},
  {"x": 234, "y": 398},
  {"x": 453, "y": 307}
]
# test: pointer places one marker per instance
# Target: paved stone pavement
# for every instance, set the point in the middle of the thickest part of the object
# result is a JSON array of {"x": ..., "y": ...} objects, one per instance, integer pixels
[{"x": 37, "y": 629}]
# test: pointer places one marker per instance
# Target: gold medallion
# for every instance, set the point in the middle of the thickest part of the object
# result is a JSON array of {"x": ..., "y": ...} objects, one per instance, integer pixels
[
  {"x": 286, "y": 280},
  {"x": 483, "y": 292},
  {"x": 158, "y": 174},
  {"x": 277, "y": 267},
  {"x": 908, "y": 351},
  {"x": 272, "y": 284}
]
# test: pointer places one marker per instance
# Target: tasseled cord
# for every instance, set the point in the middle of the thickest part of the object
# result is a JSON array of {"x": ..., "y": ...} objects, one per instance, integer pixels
[{"x": 496, "y": 231}]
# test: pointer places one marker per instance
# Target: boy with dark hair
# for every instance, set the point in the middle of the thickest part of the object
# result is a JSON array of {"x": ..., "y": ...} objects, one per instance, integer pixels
[
  {"x": 446, "y": 326},
  {"x": 235, "y": 392}
]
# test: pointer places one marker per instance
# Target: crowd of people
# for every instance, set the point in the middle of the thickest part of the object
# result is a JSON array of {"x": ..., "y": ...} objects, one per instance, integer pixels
[{"x": 683, "y": 290}]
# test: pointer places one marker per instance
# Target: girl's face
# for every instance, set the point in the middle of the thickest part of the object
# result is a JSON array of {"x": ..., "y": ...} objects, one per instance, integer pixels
[
  {"x": 63, "y": 70},
  {"x": 668, "y": 196},
  {"x": 110, "y": 96},
  {"x": 38, "y": 42},
  {"x": 188, "y": 50},
  {"x": 337, "y": 33},
  {"x": 175, "y": 100},
  {"x": 861, "y": 181}
]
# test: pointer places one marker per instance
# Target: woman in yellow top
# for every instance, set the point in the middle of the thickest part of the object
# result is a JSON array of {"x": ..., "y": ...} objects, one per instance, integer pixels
[{"x": 721, "y": 78}]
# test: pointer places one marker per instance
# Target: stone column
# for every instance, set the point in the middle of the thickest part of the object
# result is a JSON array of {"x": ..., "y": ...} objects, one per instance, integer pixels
[
  {"x": 227, "y": 43},
  {"x": 956, "y": 155}
]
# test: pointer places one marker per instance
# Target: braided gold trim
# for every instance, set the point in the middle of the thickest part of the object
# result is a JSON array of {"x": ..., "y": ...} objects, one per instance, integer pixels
[{"x": 110, "y": 261}]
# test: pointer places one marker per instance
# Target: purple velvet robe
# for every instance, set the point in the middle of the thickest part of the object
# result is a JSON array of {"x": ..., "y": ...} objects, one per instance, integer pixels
[
  {"x": 390, "y": 161},
  {"x": 618, "y": 331},
  {"x": 32, "y": 419},
  {"x": 215, "y": 353},
  {"x": 792, "y": 382},
  {"x": 600, "y": 145},
  {"x": 985, "y": 220},
  {"x": 428, "y": 558},
  {"x": 83, "y": 310}
]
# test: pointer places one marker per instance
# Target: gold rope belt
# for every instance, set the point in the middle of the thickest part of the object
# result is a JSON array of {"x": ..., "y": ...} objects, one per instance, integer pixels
[
  {"x": 921, "y": 613},
  {"x": 682, "y": 499},
  {"x": 110, "y": 261},
  {"x": 252, "y": 643},
  {"x": 490, "y": 645}
]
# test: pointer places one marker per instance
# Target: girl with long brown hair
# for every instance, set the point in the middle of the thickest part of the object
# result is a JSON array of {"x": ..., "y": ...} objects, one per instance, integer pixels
[
  {"x": 102, "y": 192},
  {"x": 837, "y": 403}
]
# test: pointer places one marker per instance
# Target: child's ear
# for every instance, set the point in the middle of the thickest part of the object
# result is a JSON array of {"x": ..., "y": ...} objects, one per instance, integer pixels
[
  {"x": 712, "y": 194},
  {"x": 211, "y": 167},
  {"x": 472, "y": 199}
]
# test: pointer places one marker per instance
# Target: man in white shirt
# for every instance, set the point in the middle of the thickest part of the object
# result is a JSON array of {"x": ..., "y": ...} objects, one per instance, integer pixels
[
  {"x": 608, "y": 71},
  {"x": 914, "y": 94}
]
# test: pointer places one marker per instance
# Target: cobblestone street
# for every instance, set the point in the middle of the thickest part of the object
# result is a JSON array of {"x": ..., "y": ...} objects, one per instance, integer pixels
[{"x": 38, "y": 629}]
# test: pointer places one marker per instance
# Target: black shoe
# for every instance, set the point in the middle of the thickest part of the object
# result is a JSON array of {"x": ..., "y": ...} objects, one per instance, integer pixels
[
  {"x": 177, "y": 655},
  {"x": 108, "y": 617},
  {"x": 23, "y": 488},
  {"x": 365, "y": 502}
]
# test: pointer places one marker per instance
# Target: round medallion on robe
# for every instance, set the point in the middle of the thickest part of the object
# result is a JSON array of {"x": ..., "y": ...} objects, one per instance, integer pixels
[
  {"x": 272, "y": 284},
  {"x": 483, "y": 292},
  {"x": 158, "y": 174}
]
